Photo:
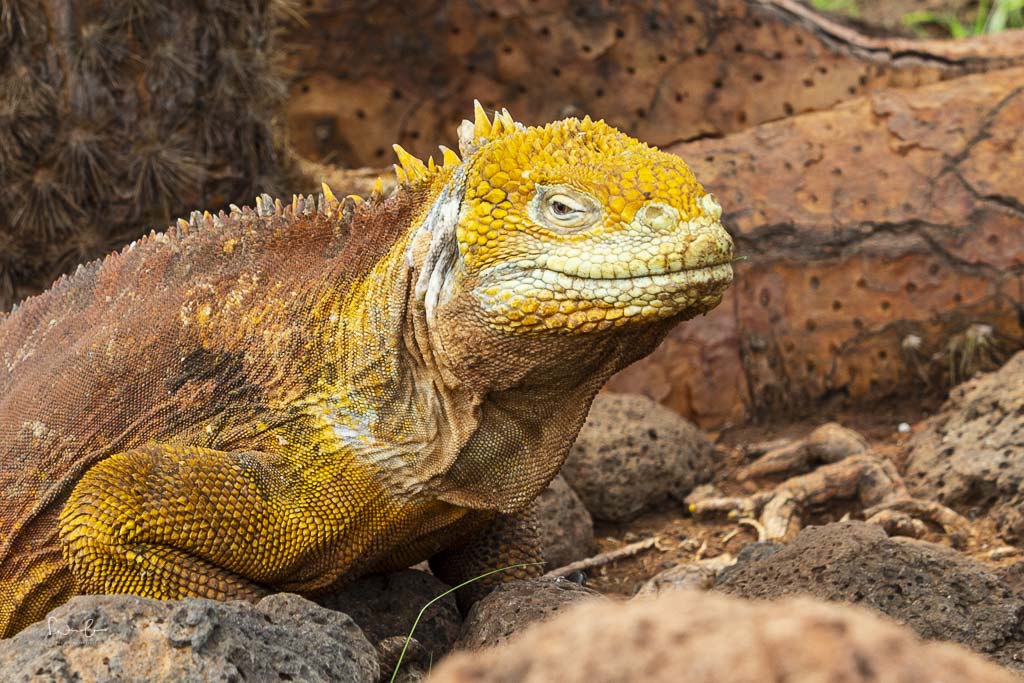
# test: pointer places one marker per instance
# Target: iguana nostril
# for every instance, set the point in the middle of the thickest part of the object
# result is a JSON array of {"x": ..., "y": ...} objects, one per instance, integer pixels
[{"x": 659, "y": 216}]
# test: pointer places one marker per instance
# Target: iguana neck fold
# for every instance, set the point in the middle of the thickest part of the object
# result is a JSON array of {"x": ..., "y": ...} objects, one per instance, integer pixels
[{"x": 402, "y": 407}]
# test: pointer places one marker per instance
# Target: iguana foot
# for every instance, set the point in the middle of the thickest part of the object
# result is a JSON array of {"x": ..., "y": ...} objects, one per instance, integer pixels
[{"x": 508, "y": 541}]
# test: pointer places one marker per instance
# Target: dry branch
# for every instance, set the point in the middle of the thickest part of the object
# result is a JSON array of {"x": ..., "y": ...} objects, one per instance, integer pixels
[{"x": 602, "y": 558}]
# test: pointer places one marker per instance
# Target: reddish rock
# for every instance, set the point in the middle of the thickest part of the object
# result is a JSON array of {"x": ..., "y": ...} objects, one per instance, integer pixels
[
  {"x": 662, "y": 71},
  {"x": 706, "y": 638},
  {"x": 877, "y": 234}
]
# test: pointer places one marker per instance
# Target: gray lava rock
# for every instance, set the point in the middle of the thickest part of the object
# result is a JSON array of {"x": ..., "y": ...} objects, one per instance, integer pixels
[
  {"x": 971, "y": 455},
  {"x": 751, "y": 552},
  {"x": 128, "y": 638},
  {"x": 1013, "y": 576},
  {"x": 413, "y": 664},
  {"x": 565, "y": 526},
  {"x": 386, "y": 605},
  {"x": 936, "y": 591},
  {"x": 513, "y": 606},
  {"x": 633, "y": 455}
]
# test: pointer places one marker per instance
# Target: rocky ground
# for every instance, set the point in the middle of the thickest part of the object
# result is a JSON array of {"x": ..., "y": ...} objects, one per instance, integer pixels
[{"x": 890, "y": 552}]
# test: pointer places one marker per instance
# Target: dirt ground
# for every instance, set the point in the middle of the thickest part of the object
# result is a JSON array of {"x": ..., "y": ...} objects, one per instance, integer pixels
[{"x": 681, "y": 538}]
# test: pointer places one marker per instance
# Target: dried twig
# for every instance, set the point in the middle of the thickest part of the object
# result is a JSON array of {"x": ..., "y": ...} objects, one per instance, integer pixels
[
  {"x": 951, "y": 521},
  {"x": 602, "y": 558},
  {"x": 699, "y": 574}
]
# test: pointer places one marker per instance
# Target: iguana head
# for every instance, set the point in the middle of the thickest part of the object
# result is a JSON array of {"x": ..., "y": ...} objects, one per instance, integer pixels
[
  {"x": 575, "y": 228},
  {"x": 524, "y": 273},
  {"x": 561, "y": 231}
]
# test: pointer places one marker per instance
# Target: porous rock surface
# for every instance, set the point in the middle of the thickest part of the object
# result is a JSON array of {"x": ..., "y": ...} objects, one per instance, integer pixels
[
  {"x": 565, "y": 526},
  {"x": 511, "y": 607},
  {"x": 971, "y": 455},
  {"x": 936, "y": 591},
  {"x": 879, "y": 234},
  {"x": 633, "y": 455},
  {"x": 664, "y": 71},
  {"x": 709, "y": 638},
  {"x": 386, "y": 605},
  {"x": 128, "y": 638}
]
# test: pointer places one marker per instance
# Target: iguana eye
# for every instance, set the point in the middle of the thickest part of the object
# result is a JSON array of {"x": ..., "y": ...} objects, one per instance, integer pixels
[
  {"x": 560, "y": 209},
  {"x": 562, "y": 205}
]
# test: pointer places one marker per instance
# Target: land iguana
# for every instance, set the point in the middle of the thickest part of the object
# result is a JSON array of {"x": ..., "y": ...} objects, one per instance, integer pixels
[{"x": 285, "y": 398}]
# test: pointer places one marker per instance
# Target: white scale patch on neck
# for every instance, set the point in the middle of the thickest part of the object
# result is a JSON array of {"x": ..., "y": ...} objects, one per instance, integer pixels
[
  {"x": 354, "y": 423},
  {"x": 443, "y": 260}
]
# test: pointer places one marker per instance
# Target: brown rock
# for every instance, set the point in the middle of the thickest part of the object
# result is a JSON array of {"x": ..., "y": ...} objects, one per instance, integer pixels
[
  {"x": 633, "y": 455},
  {"x": 565, "y": 526},
  {"x": 879, "y": 234},
  {"x": 513, "y": 606},
  {"x": 936, "y": 591},
  {"x": 127, "y": 638},
  {"x": 971, "y": 455},
  {"x": 708, "y": 638}
]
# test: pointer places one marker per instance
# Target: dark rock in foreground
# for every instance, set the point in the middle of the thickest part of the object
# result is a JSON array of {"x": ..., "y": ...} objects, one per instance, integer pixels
[
  {"x": 128, "y": 638},
  {"x": 386, "y": 605},
  {"x": 936, "y": 591},
  {"x": 511, "y": 607}
]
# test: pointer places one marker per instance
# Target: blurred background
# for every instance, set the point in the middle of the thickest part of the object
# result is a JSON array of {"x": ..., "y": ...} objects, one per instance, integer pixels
[{"x": 867, "y": 155}]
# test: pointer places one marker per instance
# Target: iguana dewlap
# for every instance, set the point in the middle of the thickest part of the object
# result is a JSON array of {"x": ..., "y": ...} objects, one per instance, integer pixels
[{"x": 288, "y": 397}]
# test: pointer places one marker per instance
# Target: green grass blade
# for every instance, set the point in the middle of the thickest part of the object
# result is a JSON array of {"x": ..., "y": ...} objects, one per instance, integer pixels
[
  {"x": 408, "y": 638},
  {"x": 981, "y": 17}
]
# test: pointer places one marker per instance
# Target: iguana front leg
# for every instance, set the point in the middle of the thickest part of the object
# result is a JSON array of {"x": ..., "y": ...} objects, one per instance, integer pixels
[
  {"x": 169, "y": 522},
  {"x": 506, "y": 541}
]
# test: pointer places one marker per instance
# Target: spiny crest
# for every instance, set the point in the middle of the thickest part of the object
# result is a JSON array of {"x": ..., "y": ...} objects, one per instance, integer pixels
[
  {"x": 326, "y": 204},
  {"x": 472, "y": 135},
  {"x": 409, "y": 170},
  {"x": 480, "y": 131}
]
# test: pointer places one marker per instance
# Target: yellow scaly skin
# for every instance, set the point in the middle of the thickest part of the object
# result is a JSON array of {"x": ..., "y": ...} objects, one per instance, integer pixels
[{"x": 289, "y": 398}]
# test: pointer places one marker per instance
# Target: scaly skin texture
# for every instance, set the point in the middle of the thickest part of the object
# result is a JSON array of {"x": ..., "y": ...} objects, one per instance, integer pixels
[{"x": 287, "y": 398}]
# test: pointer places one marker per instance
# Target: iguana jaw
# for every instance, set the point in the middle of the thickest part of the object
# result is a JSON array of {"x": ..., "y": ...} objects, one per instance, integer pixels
[{"x": 551, "y": 293}]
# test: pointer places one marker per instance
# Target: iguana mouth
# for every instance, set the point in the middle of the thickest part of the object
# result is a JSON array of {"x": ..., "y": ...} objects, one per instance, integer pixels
[
  {"x": 653, "y": 277},
  {"x": 542, "y": 299}
]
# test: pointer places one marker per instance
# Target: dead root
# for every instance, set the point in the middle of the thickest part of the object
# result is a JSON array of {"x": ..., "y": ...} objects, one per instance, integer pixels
[{"x": 870, "y": 480}]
